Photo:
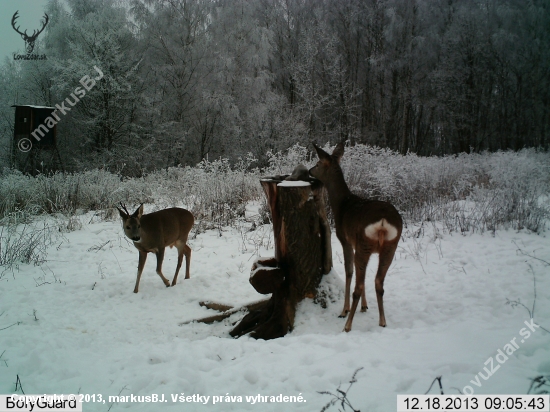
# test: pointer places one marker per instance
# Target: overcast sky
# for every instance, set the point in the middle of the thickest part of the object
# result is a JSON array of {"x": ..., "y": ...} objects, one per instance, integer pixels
[{"x": 30, "y": 13}]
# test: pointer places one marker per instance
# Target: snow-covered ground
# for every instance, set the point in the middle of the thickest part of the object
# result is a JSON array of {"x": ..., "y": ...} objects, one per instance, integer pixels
[{"x": 80, "y": 329}]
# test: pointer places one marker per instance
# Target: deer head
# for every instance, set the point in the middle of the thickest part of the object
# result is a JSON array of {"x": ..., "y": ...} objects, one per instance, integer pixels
[
  {"x": 328, "y": 164},
  {"x": 29, "y": 40},
  {"x": 131, "y": 223}
]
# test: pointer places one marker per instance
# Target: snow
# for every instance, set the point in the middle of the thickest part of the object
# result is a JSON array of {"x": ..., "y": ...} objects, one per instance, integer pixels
[
  {"x": 445, "y": 302},
  {"x": 32, "y": 106},
  {"x": 295, "y": 183}
]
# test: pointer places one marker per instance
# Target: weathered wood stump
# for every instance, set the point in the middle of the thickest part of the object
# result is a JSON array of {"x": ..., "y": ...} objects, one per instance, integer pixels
[{"x": 302, "y": 256}]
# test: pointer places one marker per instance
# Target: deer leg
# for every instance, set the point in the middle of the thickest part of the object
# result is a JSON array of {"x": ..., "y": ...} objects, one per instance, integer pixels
[
  {"x": 348, "y": 265},
  {"x": 360, "y": 269},
  {"x": 364, "y": 306},
  {"x": 183, "y": 249},
  {"x": 386, "y": 257},
  {"x": 180, "y": 259},
  {"x": 160, "y": 258},
  {"x": 187, "y": 253},
  {"x": 141, "y": 264}
]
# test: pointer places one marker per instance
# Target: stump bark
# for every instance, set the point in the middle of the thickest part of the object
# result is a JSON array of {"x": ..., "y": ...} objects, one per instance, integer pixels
[{"x": 302, "y": 256}]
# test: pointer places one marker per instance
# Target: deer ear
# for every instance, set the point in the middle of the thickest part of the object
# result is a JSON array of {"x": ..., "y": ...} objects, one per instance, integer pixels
[
  {"x": 123, "y": 214},
  {"x": 321, "y": 153},
  {"x": 338, "y": 151},
  {"x": 139, "y": 212}
]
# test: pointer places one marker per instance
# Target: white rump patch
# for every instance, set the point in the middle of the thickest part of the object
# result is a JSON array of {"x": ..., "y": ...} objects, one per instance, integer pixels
[{"x": 372, "y": 230}]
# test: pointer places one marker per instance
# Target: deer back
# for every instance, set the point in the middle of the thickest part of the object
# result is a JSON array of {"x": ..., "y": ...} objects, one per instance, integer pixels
[
  {"x": 165, "y": 228},
  {"x": 155, "y": 231}
]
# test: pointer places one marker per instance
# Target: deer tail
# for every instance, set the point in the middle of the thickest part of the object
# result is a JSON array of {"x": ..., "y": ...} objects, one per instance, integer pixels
[{"x": 381, "y": 236}]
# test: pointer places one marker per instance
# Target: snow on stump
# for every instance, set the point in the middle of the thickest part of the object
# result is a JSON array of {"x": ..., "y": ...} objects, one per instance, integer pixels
[{"x": 302, "y": 255}]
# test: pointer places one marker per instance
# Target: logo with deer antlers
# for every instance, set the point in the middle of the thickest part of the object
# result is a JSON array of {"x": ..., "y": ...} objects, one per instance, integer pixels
[{"x": 29, "y": 40}]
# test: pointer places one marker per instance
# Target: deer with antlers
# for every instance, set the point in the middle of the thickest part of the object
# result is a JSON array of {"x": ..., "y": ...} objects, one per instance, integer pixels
[
  {"x": 29, "y": 40},
  {"x": 154, "y": 231},
  {"x": 363, "y": 227}
]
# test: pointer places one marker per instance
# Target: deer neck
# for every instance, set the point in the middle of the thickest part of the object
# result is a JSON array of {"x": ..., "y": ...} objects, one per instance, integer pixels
[{"x": 338, "y": 191}]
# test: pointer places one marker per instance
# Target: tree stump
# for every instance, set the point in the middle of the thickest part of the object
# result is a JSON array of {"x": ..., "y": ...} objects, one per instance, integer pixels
[{"x": 302, "y": 256}]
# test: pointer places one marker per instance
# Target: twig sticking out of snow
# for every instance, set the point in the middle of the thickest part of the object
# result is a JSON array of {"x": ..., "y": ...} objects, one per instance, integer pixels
[
  {"x": 112, "y": 403},
  {"x": 538, "y": 383},
  {"x": 18, "y": 385},
  {"x": 531, "y": 311},
  {"x": 521, "y": 251},
  {"x": 13, "y": 324},
  {"x": 4, "y": 360},
  {"x": 438, "y": 379},
  {"x": 341, "y": 396}
]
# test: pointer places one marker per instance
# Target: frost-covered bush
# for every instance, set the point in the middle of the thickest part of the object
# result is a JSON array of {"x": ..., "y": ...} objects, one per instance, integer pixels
[
  {"x": 517, "y": 191},
  {"x": 283, "y": 163},
  {"x": 66, "y": 192},
  {"x": 17, "y": 194},
  {"x": 214, "y": 191},
  {"x": 466, "y": 192},
  {"x": 23, "y": 243}
]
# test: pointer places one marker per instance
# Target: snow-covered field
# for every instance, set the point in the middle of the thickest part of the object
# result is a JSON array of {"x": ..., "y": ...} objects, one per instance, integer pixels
[{"x": 78, "y": 328}]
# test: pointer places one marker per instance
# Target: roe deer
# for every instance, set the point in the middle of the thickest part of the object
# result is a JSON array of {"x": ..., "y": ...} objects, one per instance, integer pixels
[
  {"x": 363, "y": 227},
  {"x": 154, "y": 231}
]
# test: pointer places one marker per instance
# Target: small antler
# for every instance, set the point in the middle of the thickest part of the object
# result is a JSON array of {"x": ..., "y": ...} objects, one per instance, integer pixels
[{"x": 124, "y": 208}]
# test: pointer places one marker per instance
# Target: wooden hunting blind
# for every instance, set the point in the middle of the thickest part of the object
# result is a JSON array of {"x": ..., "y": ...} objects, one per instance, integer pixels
[
  {"x": 34, "y": 148},
  {"x": 30, "y": 123}
]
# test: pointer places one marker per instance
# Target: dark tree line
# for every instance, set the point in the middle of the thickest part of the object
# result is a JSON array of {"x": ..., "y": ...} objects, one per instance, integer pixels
[{"x": 189, "y": 79}]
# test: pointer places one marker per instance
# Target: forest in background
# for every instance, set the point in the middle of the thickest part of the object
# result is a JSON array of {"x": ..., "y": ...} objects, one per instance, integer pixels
[{"x": 186, "y": 80}]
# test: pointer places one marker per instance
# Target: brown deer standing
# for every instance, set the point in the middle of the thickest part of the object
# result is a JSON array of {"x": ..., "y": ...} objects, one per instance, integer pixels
[
  {"x": 154, "y": 231},
  {"x": 363, "y": 227}
]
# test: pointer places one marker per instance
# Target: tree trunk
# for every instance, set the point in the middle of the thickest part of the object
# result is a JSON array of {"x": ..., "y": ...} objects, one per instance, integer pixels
[{"x": 302, "y": 256}]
